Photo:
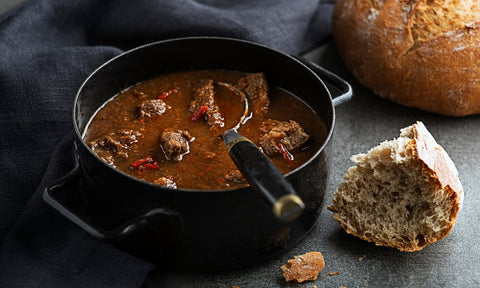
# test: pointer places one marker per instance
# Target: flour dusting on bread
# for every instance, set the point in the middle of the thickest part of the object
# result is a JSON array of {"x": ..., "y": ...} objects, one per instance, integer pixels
[{"x": 421, "y": 54}]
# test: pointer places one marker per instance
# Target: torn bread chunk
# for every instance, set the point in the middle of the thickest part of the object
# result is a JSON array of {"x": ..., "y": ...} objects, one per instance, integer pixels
[
  {"x": 404, "y": 193},
  {"x": 304, "y": 267}
]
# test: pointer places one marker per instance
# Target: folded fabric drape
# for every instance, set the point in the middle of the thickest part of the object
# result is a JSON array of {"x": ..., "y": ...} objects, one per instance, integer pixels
[{"x": 47, "y": 49}]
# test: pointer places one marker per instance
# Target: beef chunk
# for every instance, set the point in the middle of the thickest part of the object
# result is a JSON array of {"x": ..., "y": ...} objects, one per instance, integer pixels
[
  {"x": 204, "y": 95},
  {"x": 117, "y": 143},
  {"x": 256, "y": 89},
  {"x": 139, "y": 94},
  {"x": 290, "y": 134},
  {"x": 166, "y": 181},
  {"x": 208, "y": 155},
  {"x": 235, "y": 176},
  {"x": 128, "y": 137},
  {"x": 150, "y": 108},
  {"x": 186, "y": 134},
  {"x": 109, "y": 160},
  {"x": 175, "y": 143}
]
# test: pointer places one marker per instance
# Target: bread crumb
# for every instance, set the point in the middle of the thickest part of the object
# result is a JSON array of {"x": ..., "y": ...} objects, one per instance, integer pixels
[
  {"x": 334, "y": 273},
  {"x": 403, "y": 193},
  {"x": 304, "y": 267},
  {"x": 363, "y": 257}
]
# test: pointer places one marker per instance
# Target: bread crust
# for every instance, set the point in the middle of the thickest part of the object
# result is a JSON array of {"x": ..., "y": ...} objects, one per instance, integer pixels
[
  {"x": 438, "y": 164},
  {"x": 418, "y": 53},
  {"x": 435, "y": 164}
]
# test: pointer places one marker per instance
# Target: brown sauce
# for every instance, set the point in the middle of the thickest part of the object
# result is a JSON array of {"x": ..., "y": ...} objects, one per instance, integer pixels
[{"x": 207, "y": 163}]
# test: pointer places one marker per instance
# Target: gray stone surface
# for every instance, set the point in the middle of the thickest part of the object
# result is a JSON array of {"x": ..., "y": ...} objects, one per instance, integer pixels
[{"x": 361, "y": 124}]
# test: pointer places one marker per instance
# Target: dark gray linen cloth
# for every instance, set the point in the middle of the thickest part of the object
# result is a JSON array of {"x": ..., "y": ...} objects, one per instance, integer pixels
[{"x": 47, "y": 49}]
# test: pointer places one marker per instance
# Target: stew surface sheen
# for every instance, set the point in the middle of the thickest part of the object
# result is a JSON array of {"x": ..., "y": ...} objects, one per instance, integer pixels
[{"x": 129, "y": 137}]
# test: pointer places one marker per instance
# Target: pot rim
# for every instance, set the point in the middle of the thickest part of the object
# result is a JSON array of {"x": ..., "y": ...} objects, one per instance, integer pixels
[{"x": 193, "y": 38}]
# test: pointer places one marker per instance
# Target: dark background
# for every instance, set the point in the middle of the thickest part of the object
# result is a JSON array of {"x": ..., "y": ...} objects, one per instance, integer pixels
[{"x": 361, "y": 124}]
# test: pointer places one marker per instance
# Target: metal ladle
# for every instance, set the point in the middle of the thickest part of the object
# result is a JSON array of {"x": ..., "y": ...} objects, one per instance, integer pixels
[{"x": 259, "y": 171}]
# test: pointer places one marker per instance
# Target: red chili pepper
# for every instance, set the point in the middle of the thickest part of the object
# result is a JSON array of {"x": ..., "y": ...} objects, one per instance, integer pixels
[
  {"x": 151, "y": 166},
  {"x": 286, "y": 154},
  {"x": 140, "y": 162},
  {"x": 199, "y": 113},
  {"x": 166, "y": 94}
]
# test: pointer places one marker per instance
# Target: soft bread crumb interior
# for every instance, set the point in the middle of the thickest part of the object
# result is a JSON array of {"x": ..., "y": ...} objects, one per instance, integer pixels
[{"x": 390, "y": 199}]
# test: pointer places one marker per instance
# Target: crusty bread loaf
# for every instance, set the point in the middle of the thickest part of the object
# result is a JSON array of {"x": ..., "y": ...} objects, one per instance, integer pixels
[
  {"x": 404, "y": 193},
  {"x": 419, "y": 53}
]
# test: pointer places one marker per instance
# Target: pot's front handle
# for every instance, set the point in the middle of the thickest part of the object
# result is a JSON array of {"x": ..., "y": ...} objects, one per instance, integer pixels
[
  {"x": 54, "y": 194},
  {"x": 343, "y": 86}
]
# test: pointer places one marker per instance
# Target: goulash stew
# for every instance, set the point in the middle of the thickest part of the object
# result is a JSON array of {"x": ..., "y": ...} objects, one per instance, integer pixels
[{"x": 167, "y": 130}]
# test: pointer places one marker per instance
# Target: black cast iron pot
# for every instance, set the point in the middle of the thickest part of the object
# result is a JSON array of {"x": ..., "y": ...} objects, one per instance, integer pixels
[{"x": 186, "y": 229}]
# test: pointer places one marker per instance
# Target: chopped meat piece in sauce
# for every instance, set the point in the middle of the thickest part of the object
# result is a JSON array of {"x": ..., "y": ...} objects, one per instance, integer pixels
[
  {"x": 235, "y": 176},
  {"x": 256, "y": 89},
  {"x": 209, "y": 155},
  {"x": 204, "y": 95},
  {"x": 150, "y": 108},
  {"x": 289, "y": 134},
  {"x": 175, "y": 143},
  {"x": 129, "y": 137},
  {"x": 139, "y": 94},
  {"x": 304, "y": 267},
  {"x": 186, "y": 135},
  {"x": 117, "y": 143},
  {"x": 166, "y": 181},
  {"x": 109, "y": 160}
]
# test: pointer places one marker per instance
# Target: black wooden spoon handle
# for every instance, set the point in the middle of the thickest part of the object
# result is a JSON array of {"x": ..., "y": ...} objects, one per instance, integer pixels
[{"x": 263, "y": 176}]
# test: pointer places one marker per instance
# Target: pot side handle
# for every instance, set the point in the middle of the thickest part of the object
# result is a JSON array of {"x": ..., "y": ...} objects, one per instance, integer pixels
[
  {"x": 334, "y": 80},
  {"x": 55, "y": 195}
]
